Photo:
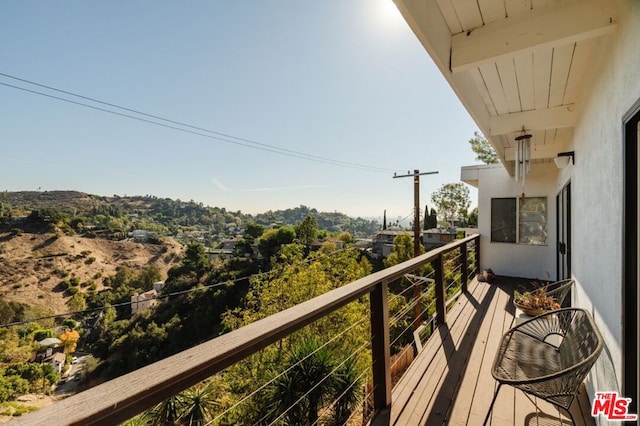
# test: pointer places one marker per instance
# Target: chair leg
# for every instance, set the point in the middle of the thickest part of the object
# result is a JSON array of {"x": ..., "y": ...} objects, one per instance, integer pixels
[{"x": 495, "y": 395}]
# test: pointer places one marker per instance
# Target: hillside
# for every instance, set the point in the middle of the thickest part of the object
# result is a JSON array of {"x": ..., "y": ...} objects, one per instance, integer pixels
[
  {"x": 53, "y": 236},
  {"x": 86, "y": 212},
  {"x": 33, "y": 264}
]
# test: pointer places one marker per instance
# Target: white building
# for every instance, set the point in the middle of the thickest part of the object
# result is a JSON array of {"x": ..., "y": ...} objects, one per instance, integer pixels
[
  {"x": 568, "y": 73},
  {"x": 141, "y": 302}
]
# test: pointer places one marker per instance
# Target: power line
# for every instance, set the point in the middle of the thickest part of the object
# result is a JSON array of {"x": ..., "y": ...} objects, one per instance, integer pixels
[
  {"x": 219, "y": 136},
  {"x": 160, "y": 297}
]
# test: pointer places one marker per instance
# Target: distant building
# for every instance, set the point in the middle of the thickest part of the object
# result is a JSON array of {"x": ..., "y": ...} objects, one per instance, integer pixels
[
  {"x": 437, "y": 237},
  {"x": 142, "y": 235},
  {"x": 52, "y": 355},
  {"x": 141, "y": 302},
  {"x": 383, "y": 242}
]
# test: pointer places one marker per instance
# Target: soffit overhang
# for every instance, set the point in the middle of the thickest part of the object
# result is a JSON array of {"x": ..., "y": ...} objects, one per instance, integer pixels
[{"x": 516, "y": 65}]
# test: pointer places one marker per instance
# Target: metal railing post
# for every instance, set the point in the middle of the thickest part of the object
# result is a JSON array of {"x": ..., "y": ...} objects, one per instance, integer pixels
[
  {"x": 380, "y": 347},
  {"x": 477, "y": 248},
  {"x": 465, "y": 266},
  {"x": 441, "y": 311}
]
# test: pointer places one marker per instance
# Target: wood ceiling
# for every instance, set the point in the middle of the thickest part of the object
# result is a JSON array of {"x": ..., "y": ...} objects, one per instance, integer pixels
[{"x": 515, "y": 63}]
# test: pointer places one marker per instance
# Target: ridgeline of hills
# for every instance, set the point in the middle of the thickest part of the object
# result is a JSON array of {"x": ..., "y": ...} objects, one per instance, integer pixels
[{"x": 86, "y": 213}]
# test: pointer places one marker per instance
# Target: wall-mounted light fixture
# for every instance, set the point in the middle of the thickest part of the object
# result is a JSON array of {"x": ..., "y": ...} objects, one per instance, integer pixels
[{"x": 562, "y": 159}]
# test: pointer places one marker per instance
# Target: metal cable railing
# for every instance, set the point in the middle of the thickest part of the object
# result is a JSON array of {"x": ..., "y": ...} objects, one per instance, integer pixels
[{"x": 132, "y": 393}]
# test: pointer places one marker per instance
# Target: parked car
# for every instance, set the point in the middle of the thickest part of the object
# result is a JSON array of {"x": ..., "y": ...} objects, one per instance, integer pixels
[
  {"x": 77, "y": 377},
  {"x": 74, "y": 360}
]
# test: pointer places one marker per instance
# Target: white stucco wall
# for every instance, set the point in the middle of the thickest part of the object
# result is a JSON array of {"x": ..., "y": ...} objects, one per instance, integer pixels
[
  {"x": 596, "y": 196},
  {"x": 516, "y": 260},
  {"x": 597, "y": 186}
]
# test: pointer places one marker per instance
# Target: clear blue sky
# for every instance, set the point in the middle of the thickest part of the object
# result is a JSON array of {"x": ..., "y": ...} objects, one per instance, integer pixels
[{"x": 340, "y": 79}]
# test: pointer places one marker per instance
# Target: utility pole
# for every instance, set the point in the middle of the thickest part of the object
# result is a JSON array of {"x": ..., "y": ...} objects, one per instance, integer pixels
[
  {"x": 416, "y": 206},
  {"x": 416, "y": 237}
]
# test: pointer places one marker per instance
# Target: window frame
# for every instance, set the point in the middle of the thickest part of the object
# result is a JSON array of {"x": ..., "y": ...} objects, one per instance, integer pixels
[{"x": 517, "y": 216}]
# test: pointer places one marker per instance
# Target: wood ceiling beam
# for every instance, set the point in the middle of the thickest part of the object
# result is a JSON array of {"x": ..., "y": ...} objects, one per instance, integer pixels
[
  {"x": 560, "y": 23},
  {"x": 537, "y": 152},
  {"x": 539, "y": 119}
]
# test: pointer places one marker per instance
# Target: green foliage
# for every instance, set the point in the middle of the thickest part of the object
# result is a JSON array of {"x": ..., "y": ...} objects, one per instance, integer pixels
[
  {"x": 402, "y": 249},
  {"x": 472, "y": 219},
  {"x": 307, "y": 230},
  {"x": 483, "y": 149},
  {"x": 14, "y": 409},
  {"x": 12, "y": 311},
  {"x": 332, "y": 222},
  {"x": 20, "y": 378},
  {"x": 272, "y": 239},
  {"x": 77, "y": 303},
  {"x": 5, "y": 213},
  {"x": 42, "y": 334},
  {"x": 12, "y": 386},
  {"x": 303, "y": 387},
  {"x": 253, "y": 230},
  {"x": 291, "y": 283},
  {"x": 452, "y": 199}
]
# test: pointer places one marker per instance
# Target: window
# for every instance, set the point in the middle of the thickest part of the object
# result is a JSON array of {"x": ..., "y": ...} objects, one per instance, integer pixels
[
  {"x": 503, "y": 220},
  {"x": 521, "y": 221}
]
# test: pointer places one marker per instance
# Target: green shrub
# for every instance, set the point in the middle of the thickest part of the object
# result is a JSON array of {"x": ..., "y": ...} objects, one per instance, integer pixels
[{"x": 60, "y": 273}]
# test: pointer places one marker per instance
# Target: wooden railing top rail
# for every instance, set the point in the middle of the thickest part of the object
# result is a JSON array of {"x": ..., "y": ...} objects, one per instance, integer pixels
[{"x": 125, "y": 396}]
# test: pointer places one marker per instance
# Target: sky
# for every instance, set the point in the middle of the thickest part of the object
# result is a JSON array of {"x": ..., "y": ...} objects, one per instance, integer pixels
[{"x": 343, "y": 87}]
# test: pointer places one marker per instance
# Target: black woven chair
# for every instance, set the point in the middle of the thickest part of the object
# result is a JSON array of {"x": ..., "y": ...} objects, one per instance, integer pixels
[{"x": 548, "y": 356}]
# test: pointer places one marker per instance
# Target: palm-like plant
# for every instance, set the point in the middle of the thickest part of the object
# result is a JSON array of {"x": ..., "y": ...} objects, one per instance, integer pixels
[
  {"x": 197, "y": 404},
  {"x": 346, "y": 385},
  {"x": 164, "y": 414},
  {"x": 306, "y": 384}
]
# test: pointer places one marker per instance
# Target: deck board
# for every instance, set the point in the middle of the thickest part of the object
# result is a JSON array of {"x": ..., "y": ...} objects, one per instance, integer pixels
[{"x": 450, "y": 380}]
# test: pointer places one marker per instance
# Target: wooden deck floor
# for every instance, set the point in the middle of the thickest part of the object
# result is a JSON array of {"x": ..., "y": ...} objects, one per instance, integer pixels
[{"x": 450, "y": 380}]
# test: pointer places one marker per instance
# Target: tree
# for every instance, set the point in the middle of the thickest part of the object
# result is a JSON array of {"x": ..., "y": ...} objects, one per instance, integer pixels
[
  {"x": 77, "y": 303},
  {"x": 272, "y": 239},
  {"x": 432, "y": 219},
  {"x": 384, "y": 220},
  {"x": 196, "y": 259},
  {"x": 472, "y": 220},
  {"x": 307, "y": 230},
  {"x": 70, "y": 339},
  {"x": 402, "y": 250},
  {"x": 483, "y": 149},
  {"x": 252, "y": 230},
  {"x": 305, "y": 385},
  {"x": 425, "y": 221},
  {"x": 197, "y": 404},
  {"x": 452, "y": 199}
]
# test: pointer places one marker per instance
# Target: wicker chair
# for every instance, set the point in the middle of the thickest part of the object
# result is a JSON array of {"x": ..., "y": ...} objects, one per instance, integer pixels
[
  {"x": 548, "y": 356},
  {"x": 559, "y": 289}
]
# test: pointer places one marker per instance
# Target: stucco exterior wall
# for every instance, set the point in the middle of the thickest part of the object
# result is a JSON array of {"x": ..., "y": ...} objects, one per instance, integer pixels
[
  {"x": 517, "y": 260},
  {"x": 597, "y": 187}
]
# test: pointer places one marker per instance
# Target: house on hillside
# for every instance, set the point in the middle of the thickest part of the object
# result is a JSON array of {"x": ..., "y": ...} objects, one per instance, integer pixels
[
  {"x": 437, "y": 237},
  {"x": 144, "y": 301},
  {"x": 555, "y": 88},
  {"x": 53, "y": 355},
  {"x": 142, "y": 235},
  {"x": 383, "y": 242}
]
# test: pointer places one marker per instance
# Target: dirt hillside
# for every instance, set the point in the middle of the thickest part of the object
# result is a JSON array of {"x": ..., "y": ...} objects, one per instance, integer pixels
[{"x": 32, "y": 265}]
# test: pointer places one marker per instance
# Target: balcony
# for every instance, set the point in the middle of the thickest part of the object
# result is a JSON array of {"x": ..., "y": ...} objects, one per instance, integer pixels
[{"x": 449, "y": 381}]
